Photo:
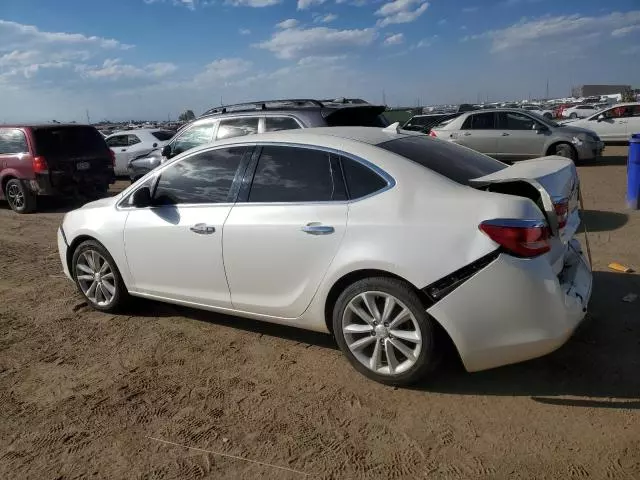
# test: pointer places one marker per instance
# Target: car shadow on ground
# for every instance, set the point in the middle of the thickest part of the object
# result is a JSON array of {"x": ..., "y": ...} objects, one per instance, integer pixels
[
  {"x": 602, "y": 221},
  {"x": 148, "y": 308},
  {"x": 600, "y": 364},
  {"x": 606, "y": 161}
]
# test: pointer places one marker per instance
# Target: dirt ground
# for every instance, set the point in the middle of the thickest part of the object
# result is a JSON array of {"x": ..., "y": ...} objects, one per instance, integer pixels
[{"x": 82, "y": 393}]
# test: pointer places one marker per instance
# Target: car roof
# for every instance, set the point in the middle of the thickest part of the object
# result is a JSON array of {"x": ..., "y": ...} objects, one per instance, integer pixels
[
  {"x": 43, "y": 125},
  {"x": 138, "y": 130}
]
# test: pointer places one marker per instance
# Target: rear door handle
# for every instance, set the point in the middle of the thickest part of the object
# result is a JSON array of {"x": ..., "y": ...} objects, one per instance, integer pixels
[
  {"x": 123, "y": 150},
  {"x": 505, "y": 134},
  {"x": 203, "y": 229},
  {"x": 315, "y": 229},
  {"x": 466, "y": 134}
]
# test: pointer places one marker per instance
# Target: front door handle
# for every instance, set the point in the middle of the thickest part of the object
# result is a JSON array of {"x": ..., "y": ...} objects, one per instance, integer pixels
[
  {"x": 315, "y": 229},
  {"x": 123, "y": 150},
  {"x": 505, "y": 134},
  {"x": 466, "y": 134},
  {"x": 203, "y": 229}
]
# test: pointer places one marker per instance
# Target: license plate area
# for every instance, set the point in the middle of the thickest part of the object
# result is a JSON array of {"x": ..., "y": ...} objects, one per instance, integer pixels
[{"x": 83, "y": 166}]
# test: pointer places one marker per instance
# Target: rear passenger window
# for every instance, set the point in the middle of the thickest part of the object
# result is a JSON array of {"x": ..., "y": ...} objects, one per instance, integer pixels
[
  {"x": 291, "y": 174},
  {"x": 273, "y": 124},
  {"x": 361, "y": 180},
  {"x": 479, "y": 121},
  {"x": 12, "y": 141},
  {"x": 203, "y": 178}
]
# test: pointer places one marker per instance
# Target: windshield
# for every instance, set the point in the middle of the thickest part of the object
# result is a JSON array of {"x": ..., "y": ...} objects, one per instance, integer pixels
[
  {"x": 163, "y": 135},
  {"x": 457, "y": 163}
]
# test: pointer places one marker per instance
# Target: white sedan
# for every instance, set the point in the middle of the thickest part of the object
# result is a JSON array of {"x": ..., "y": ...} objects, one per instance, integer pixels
[
  {"x": 614, "y": 124},
  {"x": 382, "y": 238},
  {"x": 129, "y": 144},
  {"x": 579, "y": 111}
]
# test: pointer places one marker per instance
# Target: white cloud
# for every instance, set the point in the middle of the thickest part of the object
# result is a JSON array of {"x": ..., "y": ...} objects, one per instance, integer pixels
[
  {"x": 288, "y": 23},
  {"x": 553, "y": 31},
  {"x": 442, "y": 21},
  {"x": 114, "y": 69},
  {"x": 190, "y": 4},
  {"x": 426, "y": 42},
  {"x": 620, "y": 32},
  {"x": 401, "y": 11},
  {"x": 221, "y": 70},
  {"x": 244, "y": 31},
  {"x": 470, "y": 9},
  {"x": 252, "y": 3},
  {"x": 304, "y": 4},
  {"x": 298, "y": 42},
  {"x": 328, "y": 18},
  {"x": 322, "y": 59},
  {"x": 395, "y": 39}
]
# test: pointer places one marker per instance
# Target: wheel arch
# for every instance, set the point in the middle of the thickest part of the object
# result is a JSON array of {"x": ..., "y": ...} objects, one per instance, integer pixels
[{"x": 552, "y": 148}]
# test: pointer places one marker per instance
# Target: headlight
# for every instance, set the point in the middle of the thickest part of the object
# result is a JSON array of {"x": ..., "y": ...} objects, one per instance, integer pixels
[{"x": 577, "y": 140}]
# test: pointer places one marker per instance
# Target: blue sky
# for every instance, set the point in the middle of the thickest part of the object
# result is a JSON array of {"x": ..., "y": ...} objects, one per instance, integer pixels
[{"x": 136, "y": 59}]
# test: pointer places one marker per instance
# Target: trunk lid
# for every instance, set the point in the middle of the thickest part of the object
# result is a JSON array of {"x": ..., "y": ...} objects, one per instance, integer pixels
[{"x": 555, "y": 179}]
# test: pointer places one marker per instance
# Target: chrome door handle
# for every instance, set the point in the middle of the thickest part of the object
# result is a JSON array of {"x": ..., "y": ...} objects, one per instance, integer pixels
[
  {"x": 314, "y": 229},
  {"x": 203, "y": 229},
  {"x": 466, "y": 134},
  {"x": 123, "y": 150},
  {"x": 505, "y": 134}
]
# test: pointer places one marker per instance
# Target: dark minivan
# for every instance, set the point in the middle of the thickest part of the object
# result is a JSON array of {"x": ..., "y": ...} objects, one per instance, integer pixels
[{"x": 55, "y": 160}]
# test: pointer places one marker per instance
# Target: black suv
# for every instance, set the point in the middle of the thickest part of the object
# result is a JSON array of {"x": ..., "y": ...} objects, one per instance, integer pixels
[{"x": 257, "y": 117}]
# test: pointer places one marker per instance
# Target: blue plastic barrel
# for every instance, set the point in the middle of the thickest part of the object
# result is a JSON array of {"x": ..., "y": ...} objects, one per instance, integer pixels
[{"x": 633, "y": 173}]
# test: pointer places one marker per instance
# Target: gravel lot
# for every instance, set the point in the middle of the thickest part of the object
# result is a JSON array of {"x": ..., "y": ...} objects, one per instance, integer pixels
[{"x": 81, "y": 392}]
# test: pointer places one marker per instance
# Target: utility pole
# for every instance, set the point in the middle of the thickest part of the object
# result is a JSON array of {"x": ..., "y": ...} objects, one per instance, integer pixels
[
  {"x": 88, "y": 118},
  {"x": 547, "y": 91},
  {"x": 384, "y": 98}
]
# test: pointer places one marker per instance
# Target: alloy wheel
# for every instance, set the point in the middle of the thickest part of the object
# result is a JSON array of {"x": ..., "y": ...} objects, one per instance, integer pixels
[
  {"x": 382, "y": 333},
  {"x": 95, "y": 277},
  {"x": 15, "y": 196}
]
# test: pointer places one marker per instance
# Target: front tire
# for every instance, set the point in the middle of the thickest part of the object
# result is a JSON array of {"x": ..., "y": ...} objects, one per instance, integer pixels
[
  {"x": 383, "y": 329},
  {"x": 573, "y": 115},
  {"x": 567, "y": 151},
  {"x": 98, "y": 278},
  {"x": 20, "y": 199}
]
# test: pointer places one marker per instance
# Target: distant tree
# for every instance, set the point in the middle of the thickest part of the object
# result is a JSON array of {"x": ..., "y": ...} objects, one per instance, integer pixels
[
  {"x": 187, "y": 116},
  {"x": 628, "y": 95}
]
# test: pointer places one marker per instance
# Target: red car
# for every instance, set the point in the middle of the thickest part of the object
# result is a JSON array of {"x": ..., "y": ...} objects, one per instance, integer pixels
[{"x": 55, "y": 160}]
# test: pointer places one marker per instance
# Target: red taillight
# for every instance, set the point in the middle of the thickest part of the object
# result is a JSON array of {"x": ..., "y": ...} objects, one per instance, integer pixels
[
  {"x": 113, "y": 158},
  {"x": 562, "y": 212},
  {"x": 524, "y": 238},
  {"x": 432, "y": 133},
  {"x": 39, "y": 164}
]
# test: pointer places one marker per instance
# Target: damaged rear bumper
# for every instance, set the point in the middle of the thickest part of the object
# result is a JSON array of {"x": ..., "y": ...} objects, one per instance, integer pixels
[{"x": 516, "y": 309}]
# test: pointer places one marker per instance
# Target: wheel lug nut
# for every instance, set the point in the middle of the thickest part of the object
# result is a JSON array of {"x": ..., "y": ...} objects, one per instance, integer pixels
[{"x": 386, "y": 324}]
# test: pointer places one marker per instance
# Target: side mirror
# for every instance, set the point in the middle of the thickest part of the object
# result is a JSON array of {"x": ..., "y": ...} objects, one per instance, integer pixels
[
  {"x": 600, "y": 117},
  {"x": 141, "y": 198},
  {"x": 166, "y": 151},
  {"x": 538, "y": 127}
]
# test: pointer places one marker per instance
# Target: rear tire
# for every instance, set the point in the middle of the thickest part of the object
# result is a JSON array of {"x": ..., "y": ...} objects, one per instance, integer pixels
[
  {"x": 98, "y": 278},
  {"x": 573, "y": 115},
  {"x": 383, "y": 329},
  {"x": 567, "y": 151},
  {"x": 19, "y": 197}
]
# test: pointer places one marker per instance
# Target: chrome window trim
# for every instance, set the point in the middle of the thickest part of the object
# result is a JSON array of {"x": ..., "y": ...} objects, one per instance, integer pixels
[
  {"x": 233, "y": 117},
  {"x": 281, "y": 115},
  {"x": 391, "y": 182}
]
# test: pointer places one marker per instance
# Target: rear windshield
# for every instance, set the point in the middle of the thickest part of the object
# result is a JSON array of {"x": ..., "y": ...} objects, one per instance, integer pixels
[
  {"x": 69, "y": 140},
  {"x": 163, "y": 135},
  {"x": 458, "y": 163}
]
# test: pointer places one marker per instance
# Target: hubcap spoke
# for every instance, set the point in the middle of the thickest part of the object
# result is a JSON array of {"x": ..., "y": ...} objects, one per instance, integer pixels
[
  {"x": 392, "y": 361},
  {"x": 107, "y": 276},
  {"x": 402, "y": 317},
  {"x": 374, "y": 363},
  {"x": 95, "y": 277},
  {"x": 407, "y": 335},
  {"x": 111, "y": 289},
  {"x": 358, "y": 328},
  {"x": 85, "y": 269},
  {"x": 361, "y": 313},
  {"x": 91, "y": 291},
  {"x": 363, "y": 342},
  {"x": 389, "y": 304},
  {"x": 402, "y": 348},
  {"x": 369, "y": 300},
  {"x": 86, "y": 278}
]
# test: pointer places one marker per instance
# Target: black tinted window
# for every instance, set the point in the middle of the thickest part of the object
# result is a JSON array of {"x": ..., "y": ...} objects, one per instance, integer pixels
[
  {"x": 133, "y": 139},
  {"x": 12, "y": 141},
  {"x": 361, "y": 180},
  {"x": 118, "y": 141},
  {"x": 69, "y": 140},
  {"x": 236, "y": 127},
  {"x": 203, "y": 178},
  {"x": 290, "y": 174},
  {"x": 479, "y": 121},
  {"x": 458, "y": 163},
  {"x": 163, "y": 135},
  {"x": 273, "y": 124}
]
